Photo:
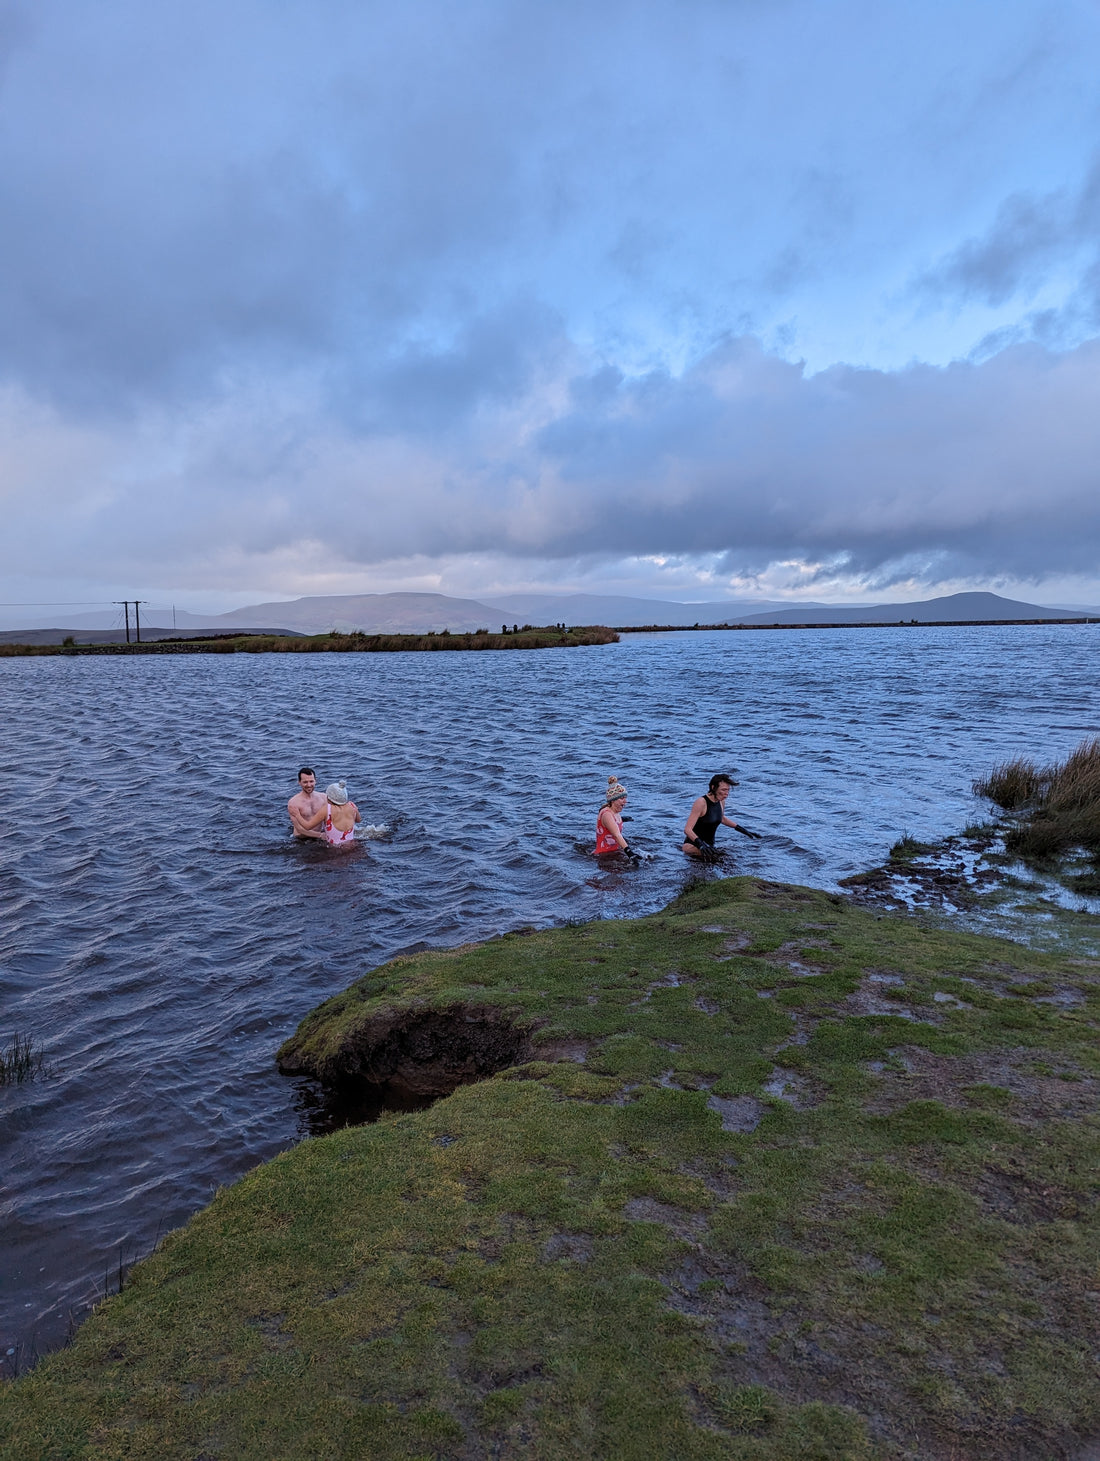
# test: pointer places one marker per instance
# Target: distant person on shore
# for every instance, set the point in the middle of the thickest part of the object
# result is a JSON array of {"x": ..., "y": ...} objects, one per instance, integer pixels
[
  {"x": 609, "y": 823},
  {"x": 708, "y": 813},
  {"x": 307, "y": 806}
]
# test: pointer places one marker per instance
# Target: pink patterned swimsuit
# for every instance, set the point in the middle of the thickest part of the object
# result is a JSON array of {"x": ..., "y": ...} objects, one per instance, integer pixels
[{"x": 333, "y": 836}]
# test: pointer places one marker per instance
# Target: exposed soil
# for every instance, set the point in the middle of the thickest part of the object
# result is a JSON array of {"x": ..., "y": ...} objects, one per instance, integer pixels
[
  {"x": 922, "y": 1075},
  {"x": 789, "y": 1349},
  {"x": 414, "y": 1055}
]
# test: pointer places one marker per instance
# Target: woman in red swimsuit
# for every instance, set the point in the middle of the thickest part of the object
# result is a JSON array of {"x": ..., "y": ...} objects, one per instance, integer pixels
[{"x": 609, "y": 824}]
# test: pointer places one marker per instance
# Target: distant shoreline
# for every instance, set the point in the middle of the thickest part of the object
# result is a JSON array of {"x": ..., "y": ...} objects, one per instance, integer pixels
[
  {"x": 337, "y": 642},
  {"x": 359, "y": 642},
  {"x": 855, "y": 624}
]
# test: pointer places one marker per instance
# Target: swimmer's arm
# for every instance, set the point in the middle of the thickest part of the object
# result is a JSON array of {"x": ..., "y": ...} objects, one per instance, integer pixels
[
  {"x": 358, "y": 818},
  {"x": 726, "y": 821},
  {"x": 698, "y": 807},
  {"x": 307, "y": 824}
]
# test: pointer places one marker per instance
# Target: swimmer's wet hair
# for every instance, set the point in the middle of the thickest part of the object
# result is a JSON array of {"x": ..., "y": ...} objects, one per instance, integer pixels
[
  {"x": 306, "y": 771},
  {"x": 717, "y": 779}
]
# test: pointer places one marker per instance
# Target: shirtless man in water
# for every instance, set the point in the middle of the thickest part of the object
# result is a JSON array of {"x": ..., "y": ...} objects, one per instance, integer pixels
[{"x": 305, "y": 804}]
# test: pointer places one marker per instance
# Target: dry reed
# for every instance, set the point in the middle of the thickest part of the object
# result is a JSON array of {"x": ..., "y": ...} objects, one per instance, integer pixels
[
  {"x": 1060, "y": 803},
  {"x": 1011, "y": 784}
]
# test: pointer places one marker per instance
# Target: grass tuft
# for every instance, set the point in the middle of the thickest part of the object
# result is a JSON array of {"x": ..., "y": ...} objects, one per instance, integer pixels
[
  {"x": 1060, "y": 803},
  {"x": 746, "y": 1407},
  {"x": 21, "y": 1061},
  {"x": 1011, "y": 784}
]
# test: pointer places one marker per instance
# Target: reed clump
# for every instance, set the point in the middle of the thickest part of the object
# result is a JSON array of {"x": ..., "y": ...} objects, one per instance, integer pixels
[
  {"x": 21, "y": 1061},
  {"x": 1059, "y": 803},
  {"x": 1011, "y": 784}
]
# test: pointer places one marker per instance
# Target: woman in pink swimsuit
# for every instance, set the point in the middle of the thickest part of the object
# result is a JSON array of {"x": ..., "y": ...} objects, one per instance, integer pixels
[
  {"x": 609, "y": 824},
  {"x": 341, "y": 815}
]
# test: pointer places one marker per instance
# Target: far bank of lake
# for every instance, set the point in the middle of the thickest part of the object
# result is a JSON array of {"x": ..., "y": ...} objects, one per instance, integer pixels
[{"x": 335, "y": 642}]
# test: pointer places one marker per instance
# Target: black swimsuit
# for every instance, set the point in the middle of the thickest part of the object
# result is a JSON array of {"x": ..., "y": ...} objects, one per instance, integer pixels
[{"x": 706, "y": 826}]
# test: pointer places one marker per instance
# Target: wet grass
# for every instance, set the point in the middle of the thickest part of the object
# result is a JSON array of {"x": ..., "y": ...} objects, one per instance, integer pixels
[
  {"x": 907, "y": 848},
  {"x": 785, "y": 1179}
]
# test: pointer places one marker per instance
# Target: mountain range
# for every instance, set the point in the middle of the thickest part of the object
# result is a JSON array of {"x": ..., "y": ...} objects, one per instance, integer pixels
[
  {"x": 973, "y": 606},
  {"x": 416, "y": 613}
]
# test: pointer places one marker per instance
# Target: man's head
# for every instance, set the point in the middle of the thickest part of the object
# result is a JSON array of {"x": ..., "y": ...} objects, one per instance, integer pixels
[{"x": 307, "y": 780}]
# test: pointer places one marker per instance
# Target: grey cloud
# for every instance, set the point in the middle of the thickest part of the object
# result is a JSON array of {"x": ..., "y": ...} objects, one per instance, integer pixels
[
  {"x": 244, "y": 214},
  {"x": 193, "y": 191},
  {"x": 973, "y": 470},
  {"x": 1028, "y": 237},
  {"x": 348, "y": 281},
  {"x": 493, "y": 361},
  {"x": 105, "y": 317},
  {"x": 16, "y": 30},
  {"x": 994, "y": 463}
]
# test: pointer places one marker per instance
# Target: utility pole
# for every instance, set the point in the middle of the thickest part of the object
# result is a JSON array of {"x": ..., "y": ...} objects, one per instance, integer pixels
[{"x": 137, "y": 615}]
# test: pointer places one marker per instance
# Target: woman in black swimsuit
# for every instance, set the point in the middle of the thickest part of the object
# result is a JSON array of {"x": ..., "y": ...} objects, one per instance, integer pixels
[{"x": 707, "y": 814}]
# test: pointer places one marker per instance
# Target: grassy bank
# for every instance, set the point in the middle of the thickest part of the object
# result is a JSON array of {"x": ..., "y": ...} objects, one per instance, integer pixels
[
  {"x": 766, "y": 1176},
  {"x": 333, "y": 643}
]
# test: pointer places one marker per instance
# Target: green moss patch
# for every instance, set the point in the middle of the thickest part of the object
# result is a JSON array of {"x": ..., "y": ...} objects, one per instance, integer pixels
[{"x": 768, "y": 1176}]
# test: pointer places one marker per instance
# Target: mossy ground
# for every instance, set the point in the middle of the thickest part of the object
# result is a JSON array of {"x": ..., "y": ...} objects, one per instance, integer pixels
[{"x": 811, "y": 1182}]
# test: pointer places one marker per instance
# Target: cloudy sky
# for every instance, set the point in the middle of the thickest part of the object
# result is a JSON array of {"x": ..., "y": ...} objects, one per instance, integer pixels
[{"x": 691, "y": 298}]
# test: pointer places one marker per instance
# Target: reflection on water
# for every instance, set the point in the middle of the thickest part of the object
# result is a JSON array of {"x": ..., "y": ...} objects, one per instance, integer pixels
[{"x": 162, "y": 933}]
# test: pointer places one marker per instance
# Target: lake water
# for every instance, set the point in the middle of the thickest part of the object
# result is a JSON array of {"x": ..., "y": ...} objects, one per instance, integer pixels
[{"x": 162, "y": 933}]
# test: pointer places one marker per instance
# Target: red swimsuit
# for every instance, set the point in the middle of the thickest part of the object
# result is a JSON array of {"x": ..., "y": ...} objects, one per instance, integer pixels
[{"x": 604, "y": 841}]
